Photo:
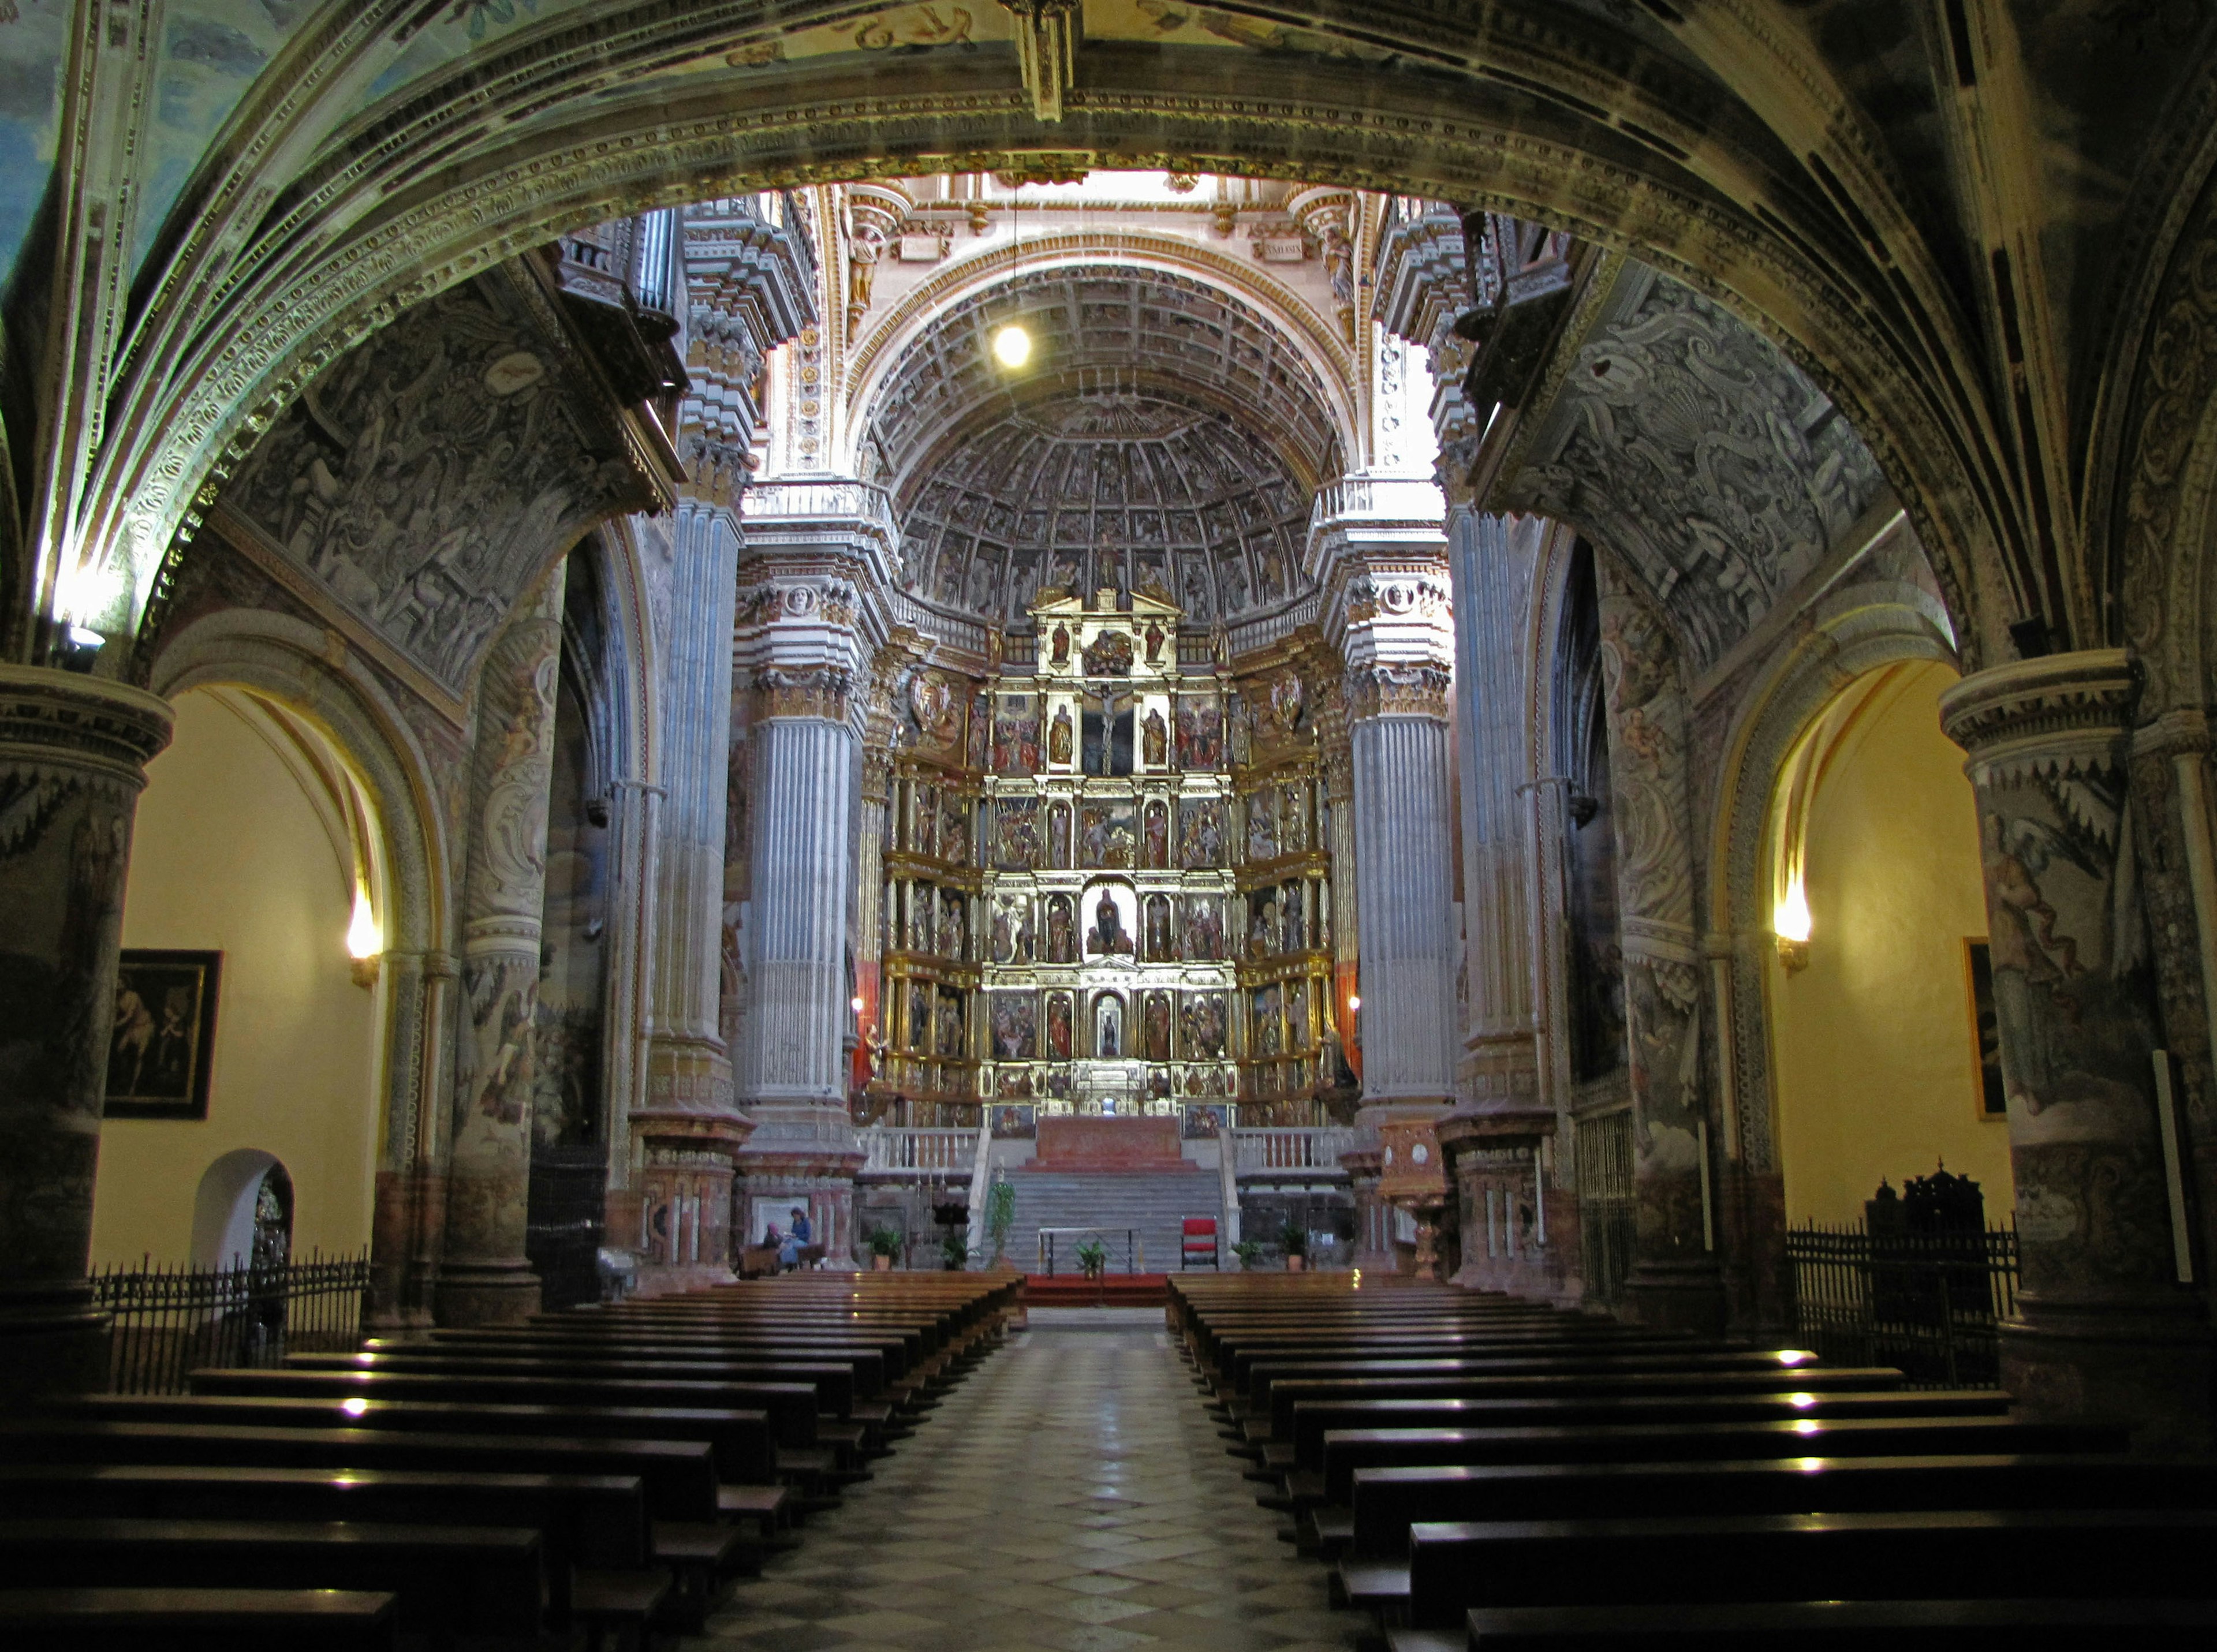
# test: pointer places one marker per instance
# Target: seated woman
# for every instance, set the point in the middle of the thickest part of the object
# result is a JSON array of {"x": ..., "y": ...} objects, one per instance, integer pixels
[{"x": 796, "y": 1239}]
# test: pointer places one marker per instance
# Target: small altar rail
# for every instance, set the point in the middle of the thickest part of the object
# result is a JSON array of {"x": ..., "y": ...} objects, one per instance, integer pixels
[
  {"x": 1276, "y": 1150},
  {"x": 1135, "y": 1252},
  {"x": 900, "y": 1150}
]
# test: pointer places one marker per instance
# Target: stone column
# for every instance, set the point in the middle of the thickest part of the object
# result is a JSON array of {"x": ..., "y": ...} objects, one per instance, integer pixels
[
  {"x": 792, "y": 1077},
  {"x": 2104, "y": 1328},
  {"x": 1398, "y": 731},
  {"x": 1491, "y": 560},
  {"x": 690, "y": 1125},
  {"x": 1674, "y": 1278},
  {"x": 73, "y": 756},
  {"x": 484, "y": 1278}
]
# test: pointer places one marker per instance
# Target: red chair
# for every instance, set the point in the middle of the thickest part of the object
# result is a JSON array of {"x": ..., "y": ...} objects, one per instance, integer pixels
[{"x": 1200, "y": 1244}]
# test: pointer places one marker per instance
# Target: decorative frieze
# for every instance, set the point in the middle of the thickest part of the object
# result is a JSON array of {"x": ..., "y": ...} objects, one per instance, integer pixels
[{"x": 1399, "y": 691}]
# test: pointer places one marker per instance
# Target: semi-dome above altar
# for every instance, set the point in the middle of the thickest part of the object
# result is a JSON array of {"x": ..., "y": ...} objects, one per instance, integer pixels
[
  {"x": 1165, "y": 436},
  {"x": 1111, "y": 487}
]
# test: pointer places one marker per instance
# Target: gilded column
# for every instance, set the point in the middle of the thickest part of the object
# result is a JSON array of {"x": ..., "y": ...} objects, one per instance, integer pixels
[
  {"x": 484, "y": 1278},
  {"x": 1674, "y": 1278},
  {"x": 73, "y": 756},
  {"x": 2105, "y": 1328},
  {"x": 691, "y": 1125}
]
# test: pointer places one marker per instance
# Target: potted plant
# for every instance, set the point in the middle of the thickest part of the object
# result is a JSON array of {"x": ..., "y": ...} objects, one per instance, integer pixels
[
  {"x": 1250, "y": 1253},
  {"x": 1296, "y": 1246},
  {"x": 1093, "y": 1257},
  {"x": 884, "y": 1245},
  {"x": 954, "y": 1251},
  {"x": 1000, "y": 1215}
]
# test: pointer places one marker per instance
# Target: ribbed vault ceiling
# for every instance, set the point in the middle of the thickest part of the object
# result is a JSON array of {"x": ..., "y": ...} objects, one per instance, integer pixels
[{"x": 1166, "y": 438}]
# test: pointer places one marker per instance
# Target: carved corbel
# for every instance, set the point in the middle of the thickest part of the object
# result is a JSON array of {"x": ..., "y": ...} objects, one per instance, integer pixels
[{"x": 1047, "y": 35}]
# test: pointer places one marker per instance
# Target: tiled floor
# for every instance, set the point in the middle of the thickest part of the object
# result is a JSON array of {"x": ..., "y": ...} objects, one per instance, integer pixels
[{"x": 1073, "y": 1494}]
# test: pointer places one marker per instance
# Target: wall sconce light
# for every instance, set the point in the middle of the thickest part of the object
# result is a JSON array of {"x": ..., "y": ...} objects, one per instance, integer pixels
[
  {"x": 1354, "y": 1003},
  {"x": 854, "y": 1004},
  {"x": 365, "y": 942},
  {"x": 1789, "y": 921}
]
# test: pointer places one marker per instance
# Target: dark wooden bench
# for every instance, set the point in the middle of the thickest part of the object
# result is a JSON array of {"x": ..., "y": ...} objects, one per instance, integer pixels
[
  {"x": 1263, "y": 1376},
  {"x": 1313, "y": 1419},
  {"x": 1913, "y": 1555},
  {"x": 1760, "y": 1387},
  {"x": 1478, "y": 1345},
  {"x": 2019, "y": 1625},
  {"x": 790, "y": 1408},
  {"x": 476, "y": 1580},
  {"x": 1346, "y": 1451},
  {"x": 198, "y": 1619},
  {"x": 679, "y": 1475},
  {"x": 1387, "y": 1502}
]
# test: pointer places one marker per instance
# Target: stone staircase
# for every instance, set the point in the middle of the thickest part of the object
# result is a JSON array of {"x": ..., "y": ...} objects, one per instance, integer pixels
[{"x": 1156, "y": 1203}]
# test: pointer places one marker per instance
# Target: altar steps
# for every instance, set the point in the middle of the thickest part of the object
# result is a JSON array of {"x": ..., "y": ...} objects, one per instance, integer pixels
[{"x": 1155, "y": 1205}]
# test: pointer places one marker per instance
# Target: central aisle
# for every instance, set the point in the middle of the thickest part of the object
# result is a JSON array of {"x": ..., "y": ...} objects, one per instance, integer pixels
[{"x": 1072, "y": 1494}]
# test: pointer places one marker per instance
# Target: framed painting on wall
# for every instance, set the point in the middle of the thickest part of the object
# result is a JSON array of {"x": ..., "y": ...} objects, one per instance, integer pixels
[
  {"x": 1992, "y": 1097},
  {"x": 163, "y": 1044}
]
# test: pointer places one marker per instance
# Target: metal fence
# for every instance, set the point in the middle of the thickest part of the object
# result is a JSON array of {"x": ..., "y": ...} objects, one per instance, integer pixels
[
  {"x": 169, "y": 1321},
  {"x": 1928, "y": 1303}
]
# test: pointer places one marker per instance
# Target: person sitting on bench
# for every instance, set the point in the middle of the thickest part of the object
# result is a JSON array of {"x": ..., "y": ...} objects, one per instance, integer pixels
[{"x": 796, "y": 1240}]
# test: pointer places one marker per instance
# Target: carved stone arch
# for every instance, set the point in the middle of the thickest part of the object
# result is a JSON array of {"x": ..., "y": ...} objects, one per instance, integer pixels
[
  {"x": 290, "y": 663},
  {"x": 881, "y": 356},
  {"x": 260, "y": 337},
  {"x": 1855, "y": 631}
]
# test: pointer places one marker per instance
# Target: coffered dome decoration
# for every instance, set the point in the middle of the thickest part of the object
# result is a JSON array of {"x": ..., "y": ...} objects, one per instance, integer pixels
[
  {"x": 1168, "y": 439},
  {"x": 1113, "y": 487}
]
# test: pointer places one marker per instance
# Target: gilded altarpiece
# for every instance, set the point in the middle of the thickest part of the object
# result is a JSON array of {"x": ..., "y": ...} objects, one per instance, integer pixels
[
  {"x": 1108, "y": 967},
  {"x": 1288, "y": 1037},
  {"x": 930, "y": 903}
]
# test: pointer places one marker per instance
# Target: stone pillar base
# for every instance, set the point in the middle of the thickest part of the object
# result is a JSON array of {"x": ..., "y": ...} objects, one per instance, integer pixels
[
  {"x": 684, "y": 1239},
  {"x": 487, "y": 1293},
  {"x": 2148, "y": 1366},
  {"x": 52, "y": 1341},
  {"x": 1676, "y": 1296}
]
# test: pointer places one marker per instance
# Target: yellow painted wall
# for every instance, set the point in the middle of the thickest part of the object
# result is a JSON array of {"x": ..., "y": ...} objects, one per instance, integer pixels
[
  {"x": 229, "y": 854},
  {"x": 1871, "y": 1043}
]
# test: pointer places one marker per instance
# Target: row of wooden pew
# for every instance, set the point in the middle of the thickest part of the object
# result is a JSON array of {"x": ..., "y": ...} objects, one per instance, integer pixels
[
  {"x": 593, "y": 1476},
  {"x": 1482, "y": 1472}
]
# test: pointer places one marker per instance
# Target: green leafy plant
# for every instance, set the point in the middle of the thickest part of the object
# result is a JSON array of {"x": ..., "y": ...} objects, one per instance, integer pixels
[
  {"x": 1000, "y": 1214},
  {"x": 885, "y": 1242},
  {"x": 1295, "y": 1240},
  {"x": 1093, "y": 1257},
  {"x": 1250, "y": 1253},
  {"x": 954, "y": 1251}
]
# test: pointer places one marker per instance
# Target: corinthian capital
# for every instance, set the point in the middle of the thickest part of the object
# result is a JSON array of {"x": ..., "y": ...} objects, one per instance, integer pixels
[{"x": 1398, "y": 691}]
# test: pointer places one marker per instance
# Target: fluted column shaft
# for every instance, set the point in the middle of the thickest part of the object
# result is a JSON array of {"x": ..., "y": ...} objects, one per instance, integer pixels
[
  {"x": 1492, "y": 561},
  {"x": 688, "y": 1069},
  {"x": 1404, "y": 882},
  {"x": 805, "y": 769},
  {"x": 73, "y": 753},
  {"x": 2104, "y": 1328},
  {"x": 484, "y": 1278}
]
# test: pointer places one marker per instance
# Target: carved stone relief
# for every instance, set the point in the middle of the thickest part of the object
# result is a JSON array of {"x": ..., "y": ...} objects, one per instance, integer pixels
[{"x": 1687, "y": 443}]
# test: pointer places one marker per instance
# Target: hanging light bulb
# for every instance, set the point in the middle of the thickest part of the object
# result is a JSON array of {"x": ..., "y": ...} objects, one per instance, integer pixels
[
  {"x": 1012, "y": 345},
  {"x": 364, "y": 942},
  {"x": 1789, "y": 921}
]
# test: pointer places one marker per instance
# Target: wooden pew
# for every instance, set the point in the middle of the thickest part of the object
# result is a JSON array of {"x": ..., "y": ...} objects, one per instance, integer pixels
[
  {"x": 1388, "y": 1503},
  {"x": 477, "y": 1580},
  {"x": 2018, "y": 1625},
  {"x": 1347, "y": 1451},
  {"x": 198, "y": 1619},
  {"x": 1922, "y": 1554}
]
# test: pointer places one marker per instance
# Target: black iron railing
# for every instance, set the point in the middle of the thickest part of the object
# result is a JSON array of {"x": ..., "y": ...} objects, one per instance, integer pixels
[
  {"x": 169, "y": 1321},
  {"x": 1928, "y": 1303}
]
